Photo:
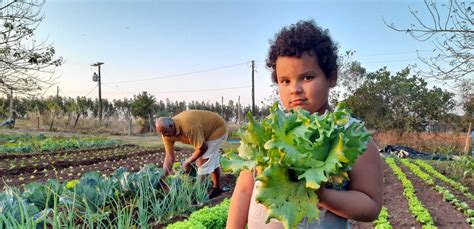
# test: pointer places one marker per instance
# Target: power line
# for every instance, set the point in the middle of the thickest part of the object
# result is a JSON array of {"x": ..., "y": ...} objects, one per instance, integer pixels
[
  {"x": 214, "y": 89},
  {"x": 91, "y": 91},
  {"x": 387, "y": 61},
  {"x": 395, "y": 53},
  {"x": 181, "y": 74},
  {"x": 116, "y": 88}
]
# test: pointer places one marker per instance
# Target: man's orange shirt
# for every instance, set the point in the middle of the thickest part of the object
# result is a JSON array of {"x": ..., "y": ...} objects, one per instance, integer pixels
[{"x": 195, "y": 127}]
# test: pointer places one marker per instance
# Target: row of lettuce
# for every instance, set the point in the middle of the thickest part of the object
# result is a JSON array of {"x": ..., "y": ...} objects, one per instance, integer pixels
[
  {"x": 461, "y": 206},
  {"x": 416, "y": 208},
  {"x": 27, "y": 143},
  {"x": 123, "y": 200}
]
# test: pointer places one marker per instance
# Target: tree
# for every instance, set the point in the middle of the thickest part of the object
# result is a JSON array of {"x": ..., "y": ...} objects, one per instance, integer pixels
[
  {"x": 451, "y": 28},
  {"x": 399, "y": 101},
  {"x": 71, "y": 107},
  {"x": 83, "y": 105},
  {"x": 350, "y": 76},
  {"x": 123, "y": 108},
  {"x": 38, "y": 107},
  {"x": 143, "y": 107},
  {"x": 465, "y": 89},
  {"x": 26, "y": 65},
  {"x": 468, "y": 110},
  {"x": 54, "y": 107}
]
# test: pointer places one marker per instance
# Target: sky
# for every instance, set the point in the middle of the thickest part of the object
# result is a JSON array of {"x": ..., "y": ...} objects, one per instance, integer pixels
[{"x": 201, "y": 50}]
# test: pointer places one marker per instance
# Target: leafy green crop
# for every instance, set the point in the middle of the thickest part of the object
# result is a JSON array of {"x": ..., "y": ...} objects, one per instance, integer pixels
[
  {"x": 42, "y": 195},
  {"x": 295, "y": 153},
  {"x": 26, "y": 143},
  {"x": 214, "y": 217}
]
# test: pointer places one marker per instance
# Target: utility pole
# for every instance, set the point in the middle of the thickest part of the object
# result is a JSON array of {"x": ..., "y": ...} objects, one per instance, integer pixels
[
  {"x": 253, "y": 87},
  {"x": 238, "y": 113},
  {"x": 11, "y": 104},
  {"x": 98, "y": 79},
  {"x": 466, "y": 146},
  {"x": 222, "y": 106}
]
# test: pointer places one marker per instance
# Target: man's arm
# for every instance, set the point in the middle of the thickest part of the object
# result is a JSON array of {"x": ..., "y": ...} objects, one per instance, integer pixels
[
  {"x": 196, "y": 154},
  {"x": 169, "y": 158}
]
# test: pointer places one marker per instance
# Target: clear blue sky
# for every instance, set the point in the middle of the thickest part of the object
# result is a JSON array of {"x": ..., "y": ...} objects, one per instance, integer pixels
[{"x": 140, "y": 40}]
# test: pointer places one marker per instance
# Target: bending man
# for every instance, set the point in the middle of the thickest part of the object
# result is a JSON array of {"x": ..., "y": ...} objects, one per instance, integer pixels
[{"x": 205, "y": 131}]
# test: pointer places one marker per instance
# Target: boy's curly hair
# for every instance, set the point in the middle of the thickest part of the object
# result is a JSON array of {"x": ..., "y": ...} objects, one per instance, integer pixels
[{"x": 304, "y": 36}]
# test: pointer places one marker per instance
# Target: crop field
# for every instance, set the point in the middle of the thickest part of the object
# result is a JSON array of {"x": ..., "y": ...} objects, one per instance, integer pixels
[
  {"x": 43, "y": 186},
  {"x": 120, "y": 176},
  {"x": 415, "y": 195}
]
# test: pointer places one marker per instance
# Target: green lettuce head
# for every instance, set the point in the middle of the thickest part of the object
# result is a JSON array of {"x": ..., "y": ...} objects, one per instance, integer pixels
[{"x": 296, "y": 153}]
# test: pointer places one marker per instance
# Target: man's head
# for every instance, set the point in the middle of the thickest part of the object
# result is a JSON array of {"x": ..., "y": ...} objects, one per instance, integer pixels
[{"x": 165, "y": 126}]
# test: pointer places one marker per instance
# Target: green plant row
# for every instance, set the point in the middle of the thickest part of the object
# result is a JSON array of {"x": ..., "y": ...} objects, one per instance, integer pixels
[
  {"x": 55, "y": 144},
  {"x": 23, "y": 137},
  {"x": 214, "y": 217},
  {"x": 453, "y": 183},
  {"x": 447, "y": 195},
  {"x": 9, "y": 139},
  {"x": 420, "y": 213},
  {"x": 382, "y": 221},
  {"x": 122, "y": 200},
  {"x": 460, "y": 205},
  {"x": 418, "y": 172}
]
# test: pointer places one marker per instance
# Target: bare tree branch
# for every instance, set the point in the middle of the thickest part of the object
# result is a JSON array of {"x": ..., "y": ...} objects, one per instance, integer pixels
[
  {"x": 26, "y": 66},
  {"x": 451, "y": 28}
]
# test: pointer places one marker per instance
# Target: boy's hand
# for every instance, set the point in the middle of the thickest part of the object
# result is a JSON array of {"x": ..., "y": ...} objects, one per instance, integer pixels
[{"x": 320, "y": 191}]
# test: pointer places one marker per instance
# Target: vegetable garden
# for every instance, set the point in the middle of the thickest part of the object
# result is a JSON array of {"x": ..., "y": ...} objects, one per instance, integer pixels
[
  {"x": 118, "y": 186},
  {"x": 94, "y": 185}
]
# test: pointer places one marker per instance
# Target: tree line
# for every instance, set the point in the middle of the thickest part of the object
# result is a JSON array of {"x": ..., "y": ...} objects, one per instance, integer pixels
[
  {"x": 143, "y": 107},
  {"x": 382, "y": 99}
]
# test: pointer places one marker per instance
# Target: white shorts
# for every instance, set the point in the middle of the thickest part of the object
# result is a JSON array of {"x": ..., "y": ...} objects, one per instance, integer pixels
[{"x": 213, "y": 155}]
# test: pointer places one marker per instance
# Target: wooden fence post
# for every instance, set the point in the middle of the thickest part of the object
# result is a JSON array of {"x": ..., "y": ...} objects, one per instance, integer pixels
[{"x": 468, "y": 137}]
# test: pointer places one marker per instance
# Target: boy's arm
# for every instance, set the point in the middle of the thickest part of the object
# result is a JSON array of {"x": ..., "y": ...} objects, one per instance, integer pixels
[
  {"x": 363, "y": 200},
  {"x": 240, "y": 202}
]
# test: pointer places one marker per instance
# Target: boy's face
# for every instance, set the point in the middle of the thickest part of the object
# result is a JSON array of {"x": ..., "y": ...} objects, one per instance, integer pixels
[{"x": 302, "y": 83}]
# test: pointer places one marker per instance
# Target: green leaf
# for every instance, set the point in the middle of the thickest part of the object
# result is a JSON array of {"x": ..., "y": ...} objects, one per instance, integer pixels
[
  {"x": 232, "y": 162},
  {"x": 288, "y": 201}
]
